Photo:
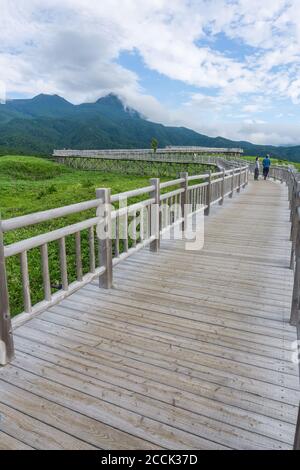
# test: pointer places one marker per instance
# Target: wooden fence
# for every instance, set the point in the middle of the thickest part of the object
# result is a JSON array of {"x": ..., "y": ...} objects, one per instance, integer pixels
[
  {"x": 147, "y": 220},
  {"x": 148, "y": 154},
  {"x": 292, "y": 179},
  {"x": 146, "y": 161}
]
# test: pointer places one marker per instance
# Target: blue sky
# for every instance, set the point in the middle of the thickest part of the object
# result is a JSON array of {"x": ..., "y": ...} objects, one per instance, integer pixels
[
  {"x": 169, "y": 92},
  {"x": 221, "y": 67},
  {"x": 233, "y": 48}
]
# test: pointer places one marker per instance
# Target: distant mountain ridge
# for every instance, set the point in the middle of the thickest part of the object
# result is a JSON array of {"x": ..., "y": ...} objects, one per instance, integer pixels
[{"x": 36, "y": 126}]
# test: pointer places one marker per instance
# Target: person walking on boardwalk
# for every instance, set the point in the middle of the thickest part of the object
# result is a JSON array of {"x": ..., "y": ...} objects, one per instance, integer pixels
[
  {"x": 266, "y": 166},
  {"x": 256, "y": 169}
]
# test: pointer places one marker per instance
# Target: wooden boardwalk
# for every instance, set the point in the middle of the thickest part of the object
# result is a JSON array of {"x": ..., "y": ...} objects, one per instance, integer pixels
[{"x": 189, "y": 350}]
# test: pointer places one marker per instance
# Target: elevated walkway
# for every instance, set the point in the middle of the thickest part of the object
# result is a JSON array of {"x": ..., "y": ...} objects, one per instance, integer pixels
[{"x": 188, "y": 350}]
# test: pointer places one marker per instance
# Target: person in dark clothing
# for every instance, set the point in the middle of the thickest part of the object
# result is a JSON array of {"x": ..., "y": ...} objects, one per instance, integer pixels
[
  {"x": 256, "y": 169},
  {"x": 266, "y": 166}
]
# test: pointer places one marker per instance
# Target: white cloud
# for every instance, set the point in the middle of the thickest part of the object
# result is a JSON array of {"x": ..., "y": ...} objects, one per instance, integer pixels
[
  {"x": 251, "y": 108},
  {"x": 71, "y": 48},
  {"x": 255, "y": 131},
  {"x": 2, "y": 92}
]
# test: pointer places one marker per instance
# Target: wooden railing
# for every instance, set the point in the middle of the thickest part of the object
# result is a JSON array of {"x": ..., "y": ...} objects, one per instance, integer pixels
[
  {"x": 127, "y": 153},
  {"x": 152, "y": 215},
  {"x": 292, "y": 178},
  {"x": 87, "y": 159}
]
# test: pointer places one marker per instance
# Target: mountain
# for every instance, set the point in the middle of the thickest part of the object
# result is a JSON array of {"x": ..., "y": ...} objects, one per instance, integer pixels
[
  {"x": 36, "y": 126},
  {"x": 52, "y": 106}
]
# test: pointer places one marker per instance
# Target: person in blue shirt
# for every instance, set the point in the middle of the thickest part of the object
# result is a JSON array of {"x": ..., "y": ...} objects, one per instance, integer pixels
[{"x": 266, "y": 166}]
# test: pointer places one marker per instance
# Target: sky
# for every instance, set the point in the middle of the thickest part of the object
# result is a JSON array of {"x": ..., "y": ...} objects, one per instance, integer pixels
[{"x": 220, "y": 67}]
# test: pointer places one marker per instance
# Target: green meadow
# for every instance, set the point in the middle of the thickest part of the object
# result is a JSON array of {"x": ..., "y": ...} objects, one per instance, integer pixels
[{"x": 32, "y": 184}]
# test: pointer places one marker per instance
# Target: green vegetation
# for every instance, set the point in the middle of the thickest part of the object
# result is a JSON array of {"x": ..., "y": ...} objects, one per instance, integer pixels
[
  {"x": 24, "y": 180},
  {"x": 30, "y": 169},
  {"x": 154, "y": 144},
  {"x": 30, "y": 184}
]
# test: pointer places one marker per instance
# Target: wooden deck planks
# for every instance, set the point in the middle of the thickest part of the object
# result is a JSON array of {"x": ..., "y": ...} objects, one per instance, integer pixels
[
  {"x": 8, "y": 443},
  {"x": 188, "y": 350},
  {"x": 35, "y": 433}
]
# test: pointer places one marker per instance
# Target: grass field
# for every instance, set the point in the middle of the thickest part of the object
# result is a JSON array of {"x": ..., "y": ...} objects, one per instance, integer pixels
[{"x": 30, "y": 184}]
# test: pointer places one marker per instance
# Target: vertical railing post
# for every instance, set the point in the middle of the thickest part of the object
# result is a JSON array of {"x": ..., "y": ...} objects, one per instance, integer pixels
[
  {"x": 208, "y": 195},
  {"x": 6, "y": 336},
  {"x": 291, "y": 196},
  {"x": 294, "y": 204},
  {"x": 292, "y": 258},
  {"x": 290, "y": 185},
  {"x": 155, "y": 216},
  {"x": 105, "y": 241},
  {"x": 221, "y": 202},
  {"x": 297, "y": 434},
  {"x": 240, "y": 178},
  {"x": 294, "y": 320},
  {"x": 232, "y": 185},
  {"x": 184, "y": 199},
  {"x": 247, "y": 176}
]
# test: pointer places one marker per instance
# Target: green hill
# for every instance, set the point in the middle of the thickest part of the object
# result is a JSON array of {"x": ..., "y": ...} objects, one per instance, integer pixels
[{"x": 36, "y": 126}]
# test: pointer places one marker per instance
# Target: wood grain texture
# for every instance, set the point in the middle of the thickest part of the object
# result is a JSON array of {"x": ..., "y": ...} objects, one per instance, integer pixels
[{"x": 188, "y": 350}]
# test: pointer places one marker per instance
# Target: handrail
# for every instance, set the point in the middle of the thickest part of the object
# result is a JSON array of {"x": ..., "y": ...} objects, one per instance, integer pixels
[
  {"x": 167, "y": 184},
  {"x": 136, "y": 225},
  {"x": 44, "y": 216},
  {"x": 197, "y": 177},
  {"x": 292, "y": 178},
  {"x": 39, "y": 240},
  {"x": 93, "y": 159},
  {"x": 129, "y": 152},
  {"x": 132, "y": 193}
]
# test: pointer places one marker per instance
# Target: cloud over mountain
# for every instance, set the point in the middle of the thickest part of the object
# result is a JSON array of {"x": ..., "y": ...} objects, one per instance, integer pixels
[
  {"x": 38, "y": 125},
  {"x": 241, "y": 56}
]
